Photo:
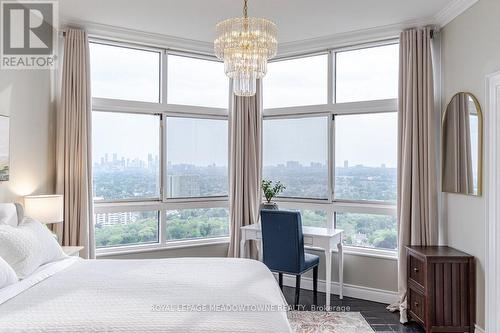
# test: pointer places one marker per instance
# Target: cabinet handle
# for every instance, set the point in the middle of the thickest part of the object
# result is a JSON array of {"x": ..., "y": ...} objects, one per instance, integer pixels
[
  {"x": 415, "y": 269},
  {"x": 416, "y": 304}
]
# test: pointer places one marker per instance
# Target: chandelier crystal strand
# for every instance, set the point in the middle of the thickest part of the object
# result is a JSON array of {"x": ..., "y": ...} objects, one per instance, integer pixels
[{"x": 245, "y": 44}]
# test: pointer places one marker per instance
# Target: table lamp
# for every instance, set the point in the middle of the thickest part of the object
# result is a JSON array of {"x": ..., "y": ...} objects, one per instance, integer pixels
[{"x": 46, "y": 209}]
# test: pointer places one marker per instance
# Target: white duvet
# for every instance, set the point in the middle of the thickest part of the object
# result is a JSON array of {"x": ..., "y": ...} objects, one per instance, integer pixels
[{"x": 167, "y": 295}]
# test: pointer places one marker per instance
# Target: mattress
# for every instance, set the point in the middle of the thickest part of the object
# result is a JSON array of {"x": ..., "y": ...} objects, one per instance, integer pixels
[{"x": 162, "y": 295}]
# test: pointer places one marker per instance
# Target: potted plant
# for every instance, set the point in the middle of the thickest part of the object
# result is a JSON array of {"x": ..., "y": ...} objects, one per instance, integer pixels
[{"x": 271, "y": 190}]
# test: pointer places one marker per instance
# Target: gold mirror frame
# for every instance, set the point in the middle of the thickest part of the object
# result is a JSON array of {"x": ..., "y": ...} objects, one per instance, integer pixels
[{"x": 480, "y": 144}]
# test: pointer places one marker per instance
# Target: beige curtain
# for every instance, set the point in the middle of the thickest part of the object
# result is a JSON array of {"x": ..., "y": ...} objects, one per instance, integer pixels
[
  {"x": 245, "y": 119},
  {"x": 457, "y": 154},
  {"x": 73, "y": 144},
  {"x": 417, "y": 190}
]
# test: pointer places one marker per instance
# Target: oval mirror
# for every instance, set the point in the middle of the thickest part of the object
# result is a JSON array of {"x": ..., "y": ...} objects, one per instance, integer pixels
[{"x": 462, "y": 151}]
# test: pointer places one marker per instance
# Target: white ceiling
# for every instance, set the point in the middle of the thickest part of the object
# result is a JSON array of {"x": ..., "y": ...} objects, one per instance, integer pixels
[{"x": 296, "y": 19}]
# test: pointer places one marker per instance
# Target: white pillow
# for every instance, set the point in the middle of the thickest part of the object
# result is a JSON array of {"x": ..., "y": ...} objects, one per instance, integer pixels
[
  {"x": 28, "y": 246},
  {"x": 7, "y": 274}
]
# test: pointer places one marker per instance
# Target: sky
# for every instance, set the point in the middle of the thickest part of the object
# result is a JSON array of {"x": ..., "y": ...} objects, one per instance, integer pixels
[{"x": 127, "y": 73}]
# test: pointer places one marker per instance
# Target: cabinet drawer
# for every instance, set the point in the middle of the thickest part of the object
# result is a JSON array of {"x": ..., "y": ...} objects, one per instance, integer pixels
[
  {"x": 416, "y": 304},
  {"x": 416, "y": 267}
]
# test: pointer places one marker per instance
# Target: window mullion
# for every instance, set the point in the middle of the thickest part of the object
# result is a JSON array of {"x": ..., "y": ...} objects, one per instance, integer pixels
[
  {"x": 332, "y": 66},
  {"x": 164, "y": 78},
  {"x": 163, "y": 154}
]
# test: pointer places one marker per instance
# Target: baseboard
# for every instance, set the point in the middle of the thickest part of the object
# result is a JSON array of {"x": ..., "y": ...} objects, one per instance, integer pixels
[
  {"x": 478, "y": 329},
  {"x": 366, "y": 293}
]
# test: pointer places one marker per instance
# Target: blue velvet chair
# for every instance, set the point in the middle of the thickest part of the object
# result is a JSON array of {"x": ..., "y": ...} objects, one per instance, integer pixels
[{"x": 283, "y": 246}]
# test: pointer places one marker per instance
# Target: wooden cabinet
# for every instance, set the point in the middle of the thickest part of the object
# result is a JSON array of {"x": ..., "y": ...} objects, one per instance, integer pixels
[{"x": 441, "y": 288}]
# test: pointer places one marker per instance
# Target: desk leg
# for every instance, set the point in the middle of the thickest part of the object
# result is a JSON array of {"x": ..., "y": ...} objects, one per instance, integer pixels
[
  {"x": 242, "y": 247},
  {"x": 341, "y": 270},
  {"x": 261, "y": 251},
  {"x": 328, "y": 266}
]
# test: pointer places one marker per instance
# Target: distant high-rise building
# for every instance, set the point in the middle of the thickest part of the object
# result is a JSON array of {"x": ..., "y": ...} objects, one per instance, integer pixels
[
  {"x": 110, "y": 219},
  {"x": 183, "y": 186},
  {"x": 383, "y": 166},
  {"x": 115, "y": 157},
  {"x": 346, "y": 164},
  {"x": 106, "y": 158},
  {"x": 292, "y": 164},
  {"x": 150, "y": 161}
]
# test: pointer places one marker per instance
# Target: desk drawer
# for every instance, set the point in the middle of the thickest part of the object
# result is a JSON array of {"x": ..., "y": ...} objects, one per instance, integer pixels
[
  {"x": 416, "y": 270},
  {"x": 252, "y": 234},
  {"x": 416, "y": 304}
]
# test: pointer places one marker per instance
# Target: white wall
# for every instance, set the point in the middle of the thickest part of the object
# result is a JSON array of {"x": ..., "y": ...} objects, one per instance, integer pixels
[
  {"x": 470, "y": 50},
  {"x": 25, "y": 96}
]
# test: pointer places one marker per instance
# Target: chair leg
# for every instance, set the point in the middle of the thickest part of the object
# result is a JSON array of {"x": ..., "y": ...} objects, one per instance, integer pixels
[
  {"x": 280, "y": 279},
  {"x": 297, "y": 290},
  {"x": 315, "y": 285}
]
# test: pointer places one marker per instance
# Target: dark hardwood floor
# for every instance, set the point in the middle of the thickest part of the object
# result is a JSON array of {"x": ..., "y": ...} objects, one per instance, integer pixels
[{"x": 375, "y": 314}]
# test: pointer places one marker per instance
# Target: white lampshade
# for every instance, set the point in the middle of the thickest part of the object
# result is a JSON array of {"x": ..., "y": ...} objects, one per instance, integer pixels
[{"x": 46, "y": 209}]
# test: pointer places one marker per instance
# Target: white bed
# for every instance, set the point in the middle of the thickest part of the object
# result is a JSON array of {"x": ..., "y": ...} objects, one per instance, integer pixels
[
  {"x": 135, "y": 296},
  {"x": 162, "y": 295}
]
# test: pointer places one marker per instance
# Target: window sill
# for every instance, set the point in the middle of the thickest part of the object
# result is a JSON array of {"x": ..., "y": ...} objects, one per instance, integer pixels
[
  {"x": 372, "y": 253},
  {"x": 367, "y": 252},
  {"x": 132, "y": 249}
]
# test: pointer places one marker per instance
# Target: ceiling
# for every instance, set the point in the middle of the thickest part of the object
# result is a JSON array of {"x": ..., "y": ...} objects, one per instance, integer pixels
[{"x": 296, "y": 19}]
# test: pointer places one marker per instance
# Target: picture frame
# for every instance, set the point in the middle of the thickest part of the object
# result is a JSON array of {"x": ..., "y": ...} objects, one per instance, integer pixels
[{"x": 4, "y": 148}]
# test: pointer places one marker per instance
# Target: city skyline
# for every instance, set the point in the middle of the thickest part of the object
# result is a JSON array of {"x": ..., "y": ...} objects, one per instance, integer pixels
[{"x": 101, "y": 160}]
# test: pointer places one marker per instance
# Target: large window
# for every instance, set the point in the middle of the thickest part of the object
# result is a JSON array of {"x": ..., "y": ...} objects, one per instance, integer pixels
[
  {"x": 125, "y": 73},
  {"x": 159, "y": 148},
  {"x": 296, "y": 153},
  {"x": 126, "y": 155},
  {"x": 197, "y": 157},
  {"x": 200, "y": 82},
  {"x": 296, "y": 82},
  {"x": 365, "y": 157},
  {"x": 336, "y": 156}
]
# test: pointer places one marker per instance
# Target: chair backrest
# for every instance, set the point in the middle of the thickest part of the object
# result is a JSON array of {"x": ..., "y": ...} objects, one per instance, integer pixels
[{"x": 282, "y": 239}]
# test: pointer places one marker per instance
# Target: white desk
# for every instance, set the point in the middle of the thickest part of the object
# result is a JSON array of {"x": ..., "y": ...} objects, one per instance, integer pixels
[{"x": 319, "y": 238}]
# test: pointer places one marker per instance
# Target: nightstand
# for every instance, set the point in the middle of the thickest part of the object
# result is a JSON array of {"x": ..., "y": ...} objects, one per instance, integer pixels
[
  {"x": 441, "y": 288},
  {"x": 72, "y": 251}
]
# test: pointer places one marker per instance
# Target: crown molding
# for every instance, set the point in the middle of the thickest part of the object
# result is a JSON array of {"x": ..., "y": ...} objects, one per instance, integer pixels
[
  {"x": 118, "y": 34},
  {"x": 350, "y": 38},
  {"x": 364, "y": 36},
  {"x": 452, "y": 10}
]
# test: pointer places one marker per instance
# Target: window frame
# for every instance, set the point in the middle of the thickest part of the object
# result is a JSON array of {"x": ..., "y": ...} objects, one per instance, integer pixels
[
  {"x": 329, "y": 94},
  {"x": 164, "y": 110},
  {"x": 332, "y": 109},
  {"x": 171, "y": 110},
  {"x": 164, "y": 195},
  {"x": 138, "y": 47}
]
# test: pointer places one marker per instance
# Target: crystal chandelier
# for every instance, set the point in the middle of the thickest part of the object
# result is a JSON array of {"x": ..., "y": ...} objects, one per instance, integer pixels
[{"x": 245, "y": 44}]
